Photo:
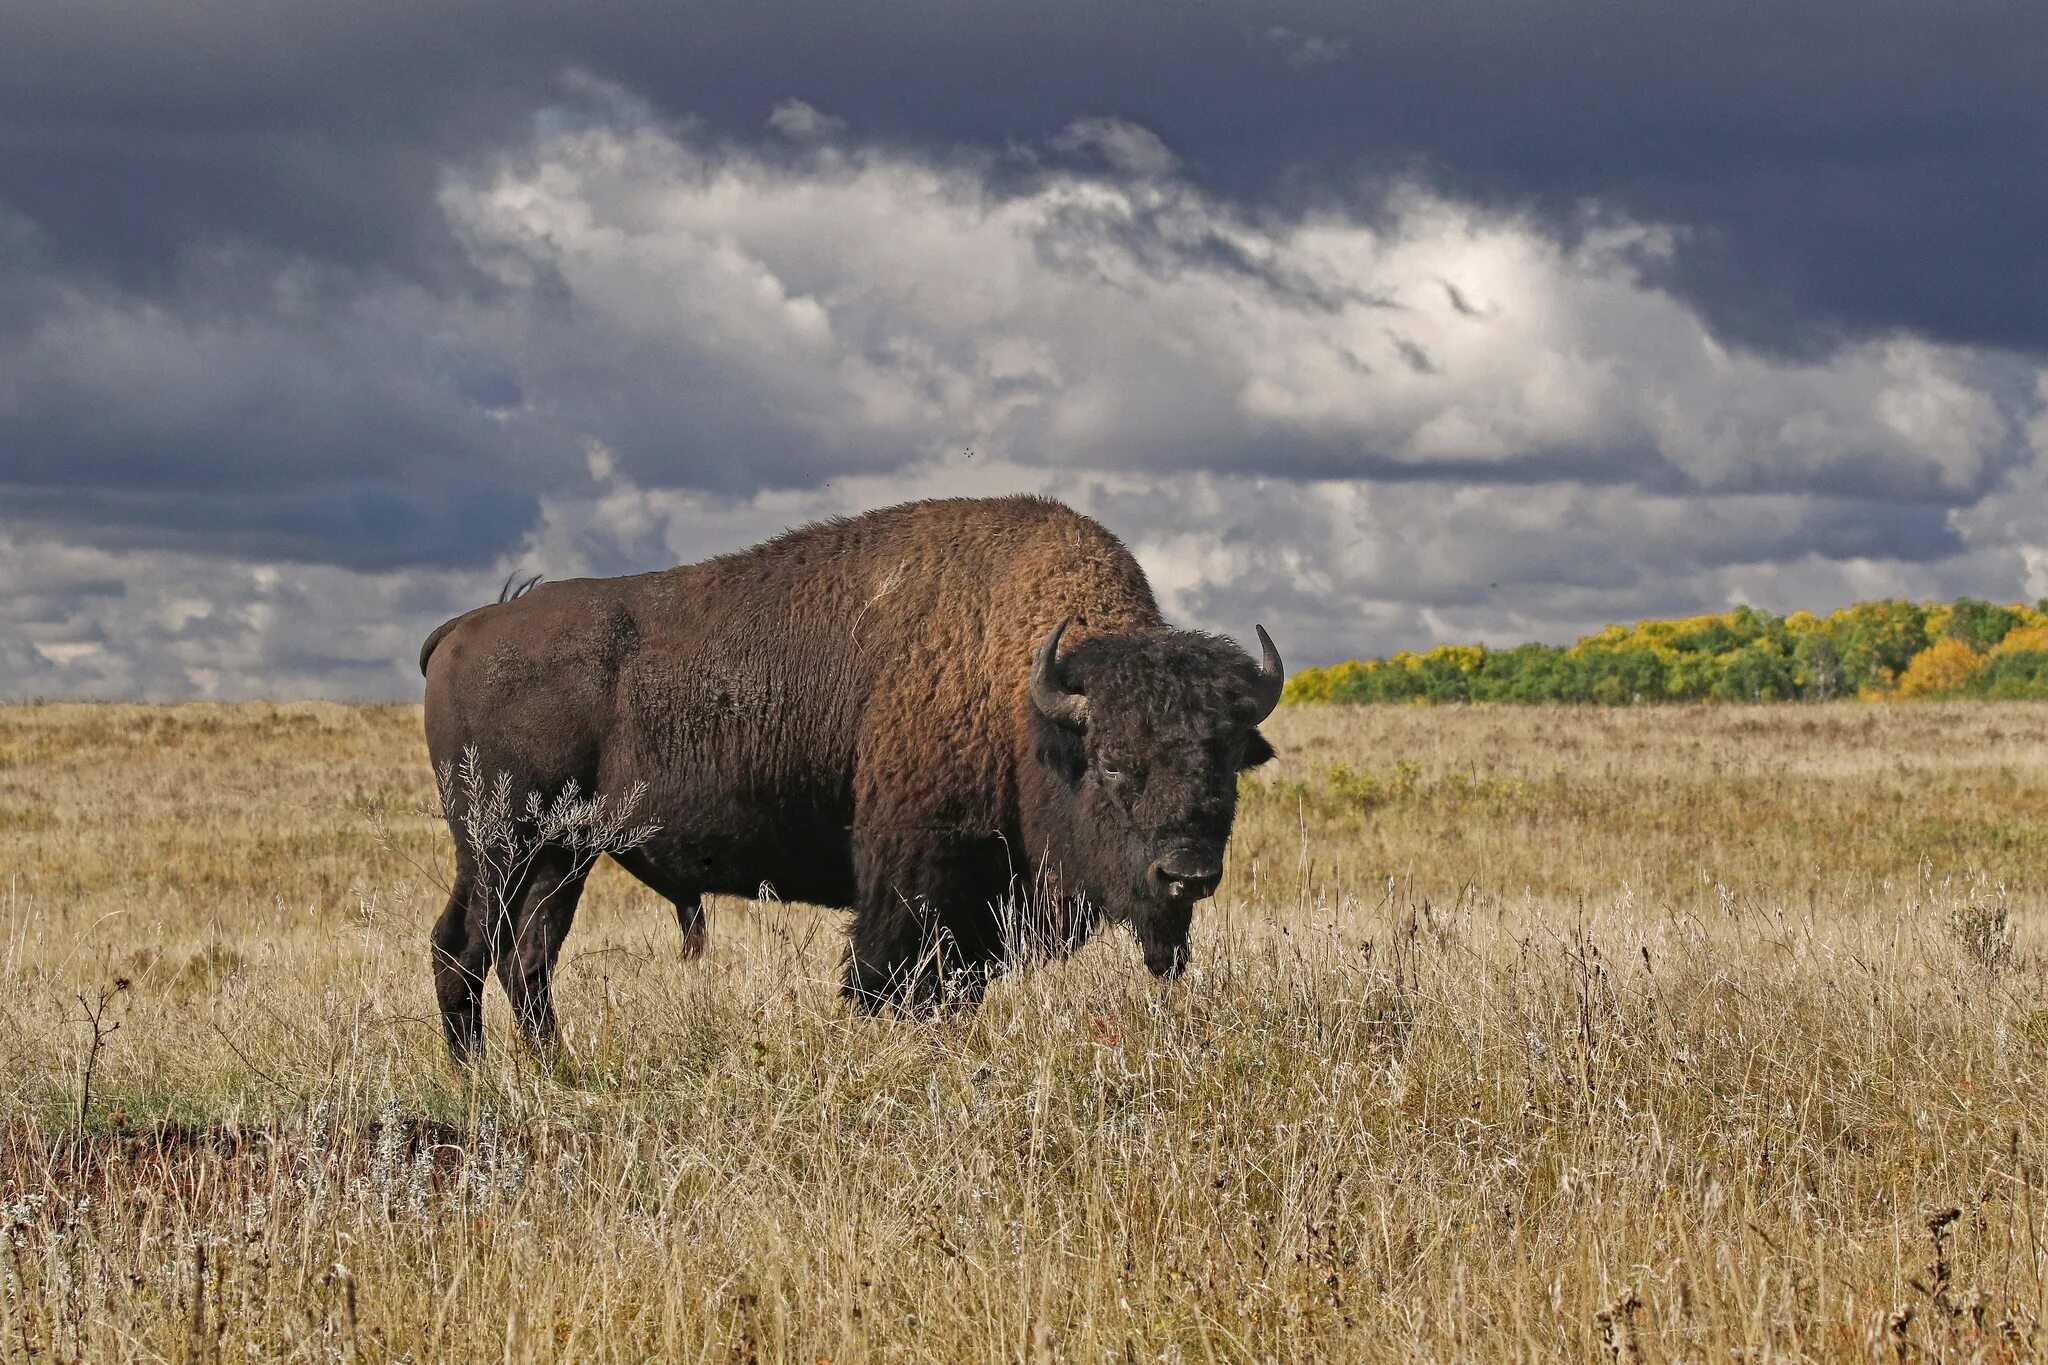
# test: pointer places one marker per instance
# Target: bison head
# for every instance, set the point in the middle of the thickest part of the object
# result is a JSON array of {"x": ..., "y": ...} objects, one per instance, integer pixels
[{"x": 1141, "y": 737}]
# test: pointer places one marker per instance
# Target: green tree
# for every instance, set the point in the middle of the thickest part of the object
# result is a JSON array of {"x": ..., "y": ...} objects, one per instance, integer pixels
[
  {"x": 1759, "y": 671},
  {"x": 2019, "y": 676},
  {"x": 1816, "y": 666},
  {"x": 1980, "y": 625},
  {"x": 1877, "y": 640}
]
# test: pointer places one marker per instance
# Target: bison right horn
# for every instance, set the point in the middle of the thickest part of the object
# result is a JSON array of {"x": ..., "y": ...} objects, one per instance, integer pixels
[
  {"x": 1272, "y": 675},
  {"x": 1048, "y": 693}
]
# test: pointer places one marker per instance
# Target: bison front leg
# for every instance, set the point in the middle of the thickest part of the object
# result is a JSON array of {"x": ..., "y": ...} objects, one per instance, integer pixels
[
  {"x": 890, "y": 958},
  {"x": 925, "y": 933},
  {"x": 691, "y": 919}
]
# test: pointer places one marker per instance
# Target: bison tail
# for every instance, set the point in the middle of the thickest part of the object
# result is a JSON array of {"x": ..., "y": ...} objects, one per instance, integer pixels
[
  {"x": 514, "y": 587},
  {"x": 427, "y": 649}
]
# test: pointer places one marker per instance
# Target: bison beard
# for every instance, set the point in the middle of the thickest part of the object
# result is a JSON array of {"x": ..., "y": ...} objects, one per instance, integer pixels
[{"x": 963, "y": 719}]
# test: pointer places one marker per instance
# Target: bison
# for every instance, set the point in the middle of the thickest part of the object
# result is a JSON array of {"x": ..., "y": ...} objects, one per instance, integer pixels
[{"x": 965, "y": 720}]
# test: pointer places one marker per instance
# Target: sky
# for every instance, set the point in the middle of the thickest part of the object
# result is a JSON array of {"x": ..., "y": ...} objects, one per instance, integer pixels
[{"x": 1382, "y": 325}]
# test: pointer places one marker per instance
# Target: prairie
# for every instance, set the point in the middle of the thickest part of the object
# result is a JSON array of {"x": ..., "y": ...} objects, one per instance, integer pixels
[{"x": 1636, "y": 1034}]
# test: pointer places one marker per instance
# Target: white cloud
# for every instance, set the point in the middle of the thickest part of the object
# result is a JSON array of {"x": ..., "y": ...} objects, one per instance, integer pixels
[
  {"x": 71, "y": 652},
  {"x": 1367, "y": 431},
  {"x": 1302, "y": 50},
  {"x": 109, "y": 624},
  {"x": 800, "y": 122},
  {"x": 1127, "y": 147},
  {"x": 887, "y": 306}
]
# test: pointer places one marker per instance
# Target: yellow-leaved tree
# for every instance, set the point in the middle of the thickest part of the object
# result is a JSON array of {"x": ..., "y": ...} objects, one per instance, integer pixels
[
  {"x": 1943, "y": 667},
  {"x": 2024, "y": 639}
]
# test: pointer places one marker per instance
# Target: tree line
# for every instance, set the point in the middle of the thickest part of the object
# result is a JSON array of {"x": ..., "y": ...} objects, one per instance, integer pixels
[{"x": 1872, "y": 650}]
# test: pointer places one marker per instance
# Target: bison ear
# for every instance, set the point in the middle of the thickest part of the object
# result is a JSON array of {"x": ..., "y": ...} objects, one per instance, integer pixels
[
  {"x": 1256, "y": 751},
  {"x": 1060, "y": 749}
]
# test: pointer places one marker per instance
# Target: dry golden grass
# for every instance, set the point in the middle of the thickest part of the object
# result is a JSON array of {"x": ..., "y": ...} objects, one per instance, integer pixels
[{"x": 1652, "y": 1035}]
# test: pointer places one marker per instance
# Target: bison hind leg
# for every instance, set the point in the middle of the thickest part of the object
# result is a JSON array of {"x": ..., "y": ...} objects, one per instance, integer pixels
[
  {"x": 462, "y": 955},
  {"x": 684, "y": 892},
  {"x": 545, "y": 909}
]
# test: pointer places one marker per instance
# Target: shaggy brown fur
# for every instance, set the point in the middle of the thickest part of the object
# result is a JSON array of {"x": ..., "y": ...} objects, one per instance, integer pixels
[{"x": 845, "y": 713}]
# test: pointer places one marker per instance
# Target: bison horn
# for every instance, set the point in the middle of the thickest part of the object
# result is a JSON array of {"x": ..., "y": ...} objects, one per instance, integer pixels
[
  {"x": 1048, "y": 693},
  {"x": 1272, "y": 677}
]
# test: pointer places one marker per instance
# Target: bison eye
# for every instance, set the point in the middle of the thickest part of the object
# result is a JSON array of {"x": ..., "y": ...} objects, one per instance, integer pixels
[{"x": 1111, "y": 768}]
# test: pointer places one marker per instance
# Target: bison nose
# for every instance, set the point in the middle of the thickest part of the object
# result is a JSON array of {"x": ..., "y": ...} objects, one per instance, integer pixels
[
  {"x": 1166, "y": 961},
  {"x": 1185, "y": 878}
]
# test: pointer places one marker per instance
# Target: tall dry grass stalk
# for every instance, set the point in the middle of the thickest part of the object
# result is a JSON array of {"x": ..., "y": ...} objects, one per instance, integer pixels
[{"x": 1678, "y": 1034}]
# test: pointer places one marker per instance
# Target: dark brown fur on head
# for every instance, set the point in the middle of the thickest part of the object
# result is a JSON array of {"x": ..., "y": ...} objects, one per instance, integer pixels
[{"x": 1145, "y": 788}]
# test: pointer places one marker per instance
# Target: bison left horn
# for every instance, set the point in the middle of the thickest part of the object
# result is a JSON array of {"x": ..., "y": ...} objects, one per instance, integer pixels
[
  {"x": 1048, "y": 693},
  {"x": 1272, "y": 677}
]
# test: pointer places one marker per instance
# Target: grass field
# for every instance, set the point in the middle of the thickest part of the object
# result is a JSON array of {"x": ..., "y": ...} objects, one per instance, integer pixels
[{"x": 1691, "y": 1033}]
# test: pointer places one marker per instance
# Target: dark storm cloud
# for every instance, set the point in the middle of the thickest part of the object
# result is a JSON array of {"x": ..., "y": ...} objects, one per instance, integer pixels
[
  {"x": 1826, "y": 153},
  {"x": 261, "y": 412},
  {"x": 360, "y": 526}
]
